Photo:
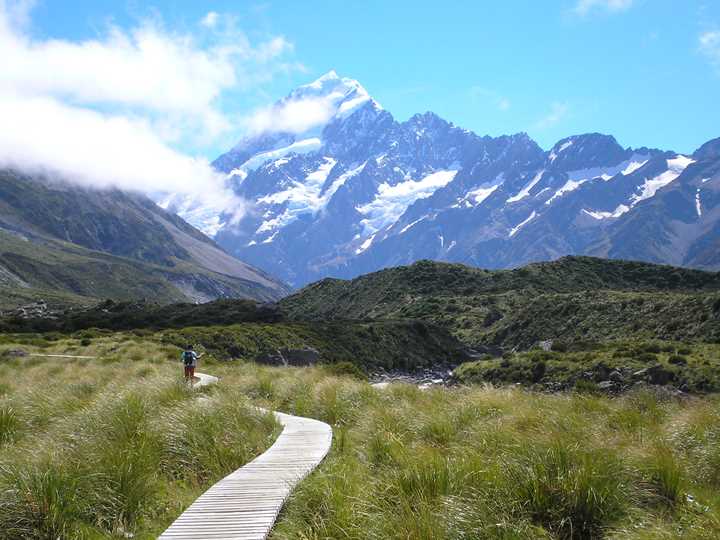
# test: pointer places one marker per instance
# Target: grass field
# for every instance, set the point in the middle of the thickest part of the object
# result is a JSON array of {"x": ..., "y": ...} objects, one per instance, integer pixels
[
  {"x": 114, "y": 446},
  {"x": 100, "y": 448}
]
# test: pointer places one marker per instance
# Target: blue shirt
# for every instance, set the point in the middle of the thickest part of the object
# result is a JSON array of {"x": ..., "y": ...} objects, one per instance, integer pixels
[{"x": 194, "y": 358}]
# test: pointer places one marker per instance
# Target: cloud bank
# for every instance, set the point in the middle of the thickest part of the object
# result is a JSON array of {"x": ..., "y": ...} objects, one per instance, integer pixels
[
  {"x": 294, "y": 116},
  {"x": 111, "y": 111}
]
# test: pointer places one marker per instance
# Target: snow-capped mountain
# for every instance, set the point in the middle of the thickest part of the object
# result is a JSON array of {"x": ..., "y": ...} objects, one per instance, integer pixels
[{"x": 357, "y": 191}]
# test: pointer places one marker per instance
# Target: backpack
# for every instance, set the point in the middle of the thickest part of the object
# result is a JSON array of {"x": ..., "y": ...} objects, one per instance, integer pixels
[{"x": 188, "y": 357}]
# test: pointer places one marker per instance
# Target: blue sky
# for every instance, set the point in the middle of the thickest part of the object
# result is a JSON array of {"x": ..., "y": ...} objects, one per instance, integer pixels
[
  {"x": 633, "y": 69},
  {"x": 142, "y": 95}
]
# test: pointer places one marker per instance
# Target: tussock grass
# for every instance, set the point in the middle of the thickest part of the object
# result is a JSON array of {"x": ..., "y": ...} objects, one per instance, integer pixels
[
  {"x": 489, "y": 463},
  {"x": 101, "y": 448}
]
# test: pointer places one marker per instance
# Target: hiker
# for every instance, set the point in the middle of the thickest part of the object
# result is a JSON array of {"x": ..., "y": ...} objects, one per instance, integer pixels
[{"x": 189, "y": 358}]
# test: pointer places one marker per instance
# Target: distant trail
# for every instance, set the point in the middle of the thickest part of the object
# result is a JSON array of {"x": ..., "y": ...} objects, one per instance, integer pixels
[
  {"x": 61, "y": 356},
  {"x": 245, "y": 504}
]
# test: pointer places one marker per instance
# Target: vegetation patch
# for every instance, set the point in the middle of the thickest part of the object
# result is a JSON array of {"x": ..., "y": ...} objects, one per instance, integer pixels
[
  {"x": 573, "y": 299},
  {"x": 611, "y": 367}
]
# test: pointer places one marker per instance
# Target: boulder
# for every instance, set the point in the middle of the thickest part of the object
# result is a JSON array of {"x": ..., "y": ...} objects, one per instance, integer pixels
[
  {"x": 615, "y": 376},
  {"x": 15, "y": 353},
  {"x": 606, "y": 385},
  {"x": 656, "y": 374},
  {"x": 601, "y": 371}
]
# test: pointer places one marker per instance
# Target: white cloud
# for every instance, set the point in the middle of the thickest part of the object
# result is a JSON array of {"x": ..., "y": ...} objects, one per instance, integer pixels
[
  {"x": 144, "y": 67},
  {"x": 294, "y": 116},
  {"x": 585, "y": 7},
  {"x": 107, "y": 111},
  {"x": 210, "y": 20},
  {"x": 100, "y": 150},
  {"x": 558, "y": 111},
  {"x": 709, "y": 43},
  {"x": 310, "y": 106}
]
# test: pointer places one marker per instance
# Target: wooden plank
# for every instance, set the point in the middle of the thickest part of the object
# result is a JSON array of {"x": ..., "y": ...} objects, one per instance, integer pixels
[{"x": 245, "y": 504}]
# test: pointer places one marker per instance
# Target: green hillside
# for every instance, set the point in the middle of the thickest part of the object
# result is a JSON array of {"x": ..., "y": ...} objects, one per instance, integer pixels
[
  {"x": 70, "y": 245},
  {"x": 568, "y": 299},
  {"x": 65, "y": 274}
]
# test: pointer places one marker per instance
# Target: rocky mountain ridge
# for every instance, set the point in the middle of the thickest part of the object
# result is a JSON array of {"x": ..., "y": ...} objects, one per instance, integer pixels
[{"x": 362, "y": 191}]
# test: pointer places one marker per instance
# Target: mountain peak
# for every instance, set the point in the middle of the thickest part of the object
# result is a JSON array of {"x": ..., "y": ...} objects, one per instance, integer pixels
[
  {"x": 341, "y": 94},
  {"x": 593, "y": 149},
  {"x": 427, "y": 118},
  {"x": 329, "y": 83},
  {"x": 594, "y": 139},
  {"x": 332, "y": 74},
  {"x": 709, "y": 150}
]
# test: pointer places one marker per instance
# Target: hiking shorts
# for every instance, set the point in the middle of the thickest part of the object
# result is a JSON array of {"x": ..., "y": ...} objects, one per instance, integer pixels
[{"x": 189, "y": 372}]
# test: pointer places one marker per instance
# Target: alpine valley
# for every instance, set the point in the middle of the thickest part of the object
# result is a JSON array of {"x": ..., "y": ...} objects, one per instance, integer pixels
[
  {"x": 68, "y": 245},
  {"x": 363, "y": 191}
]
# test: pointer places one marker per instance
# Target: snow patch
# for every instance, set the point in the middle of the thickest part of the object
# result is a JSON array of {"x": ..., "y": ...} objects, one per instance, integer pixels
[
  {"x": 554, "y": 154},
  {"x": 519, "y": 226},
  {"x": 569, "y": 186},
  {"x": 524, "y": 192},
  {"x": 365, "y": 245},
  {"x": 269, "y": 239},
  {"x": 607, "y": 173},
  {"x": 340, "y": 181},
  {"x": 411, "y": 225},
  {"x": 698, "y": 203},
  {"x": 651, "y": 186},
  {"x": 635, "y": 163},
  {"x": 390, "y": 202},
  {"x": 565, "y": 146},
  {"x": 299, "y": 147},
  {"x": 301, "y": 197},
  {"x": 619, "y": 211},
  {"x": 480, "y": 194}
]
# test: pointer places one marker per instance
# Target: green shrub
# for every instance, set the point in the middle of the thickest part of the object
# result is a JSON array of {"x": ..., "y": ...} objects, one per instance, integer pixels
[
  {"x": 646, "y": 357},
  {"x": 346, "y": 369},
  {"x": 585, "y": 386}
]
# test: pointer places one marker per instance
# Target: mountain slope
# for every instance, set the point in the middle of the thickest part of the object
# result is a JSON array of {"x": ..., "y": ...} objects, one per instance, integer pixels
[
  {"x": 62, "y": 239},
  {"x": 362, "y": 191},
  {"x": 573, "y": 298}
]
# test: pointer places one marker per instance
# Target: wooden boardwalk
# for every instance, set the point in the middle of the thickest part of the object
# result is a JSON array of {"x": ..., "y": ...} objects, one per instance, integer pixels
[{"x": 245, "y": 504}]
